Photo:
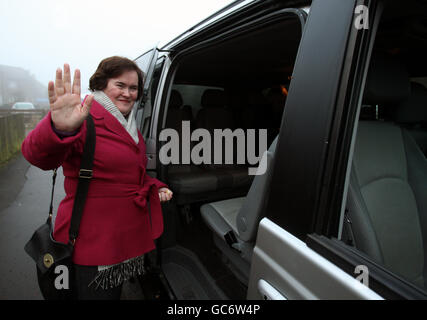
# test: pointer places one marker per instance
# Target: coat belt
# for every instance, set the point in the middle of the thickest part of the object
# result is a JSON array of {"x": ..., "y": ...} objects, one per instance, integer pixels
[{"x": 140, "y": 194}]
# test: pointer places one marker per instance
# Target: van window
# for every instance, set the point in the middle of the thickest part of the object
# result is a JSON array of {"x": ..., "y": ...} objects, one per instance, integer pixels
[
  {"x": 143, "y": 62},
  {"x": 144, "y": 112},
  {"x": 385, "y": 216}
]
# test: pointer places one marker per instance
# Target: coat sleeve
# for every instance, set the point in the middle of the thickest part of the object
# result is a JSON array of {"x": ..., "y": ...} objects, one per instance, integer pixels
[
  {"x": 44, "y": 149},
  {"x": 156, "y": 182}
]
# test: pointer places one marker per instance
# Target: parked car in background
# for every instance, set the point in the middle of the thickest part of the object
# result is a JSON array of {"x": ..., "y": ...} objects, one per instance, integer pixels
[
  {"x": 23, "y": 106},
  {"x": 341, "y": 212}
]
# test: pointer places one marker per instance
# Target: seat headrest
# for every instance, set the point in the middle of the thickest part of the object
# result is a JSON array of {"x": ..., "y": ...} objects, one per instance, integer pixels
[
  {"x": 387, "y": 81},
  {"x": 413, "y": 109},
  {"x": 175, "y": 100},
  {"x": 213, "y": 98}
]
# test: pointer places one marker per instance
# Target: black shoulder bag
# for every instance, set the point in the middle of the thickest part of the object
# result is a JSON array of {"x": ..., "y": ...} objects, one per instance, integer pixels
[{"x": 55, "y": 273}]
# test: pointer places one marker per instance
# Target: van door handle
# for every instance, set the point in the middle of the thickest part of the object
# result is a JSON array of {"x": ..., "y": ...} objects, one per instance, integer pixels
[{"x": 268, "y": 292}]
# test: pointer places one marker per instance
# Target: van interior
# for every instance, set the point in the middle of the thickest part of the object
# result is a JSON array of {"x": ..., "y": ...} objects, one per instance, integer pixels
[{"x": 238, "y": 81}]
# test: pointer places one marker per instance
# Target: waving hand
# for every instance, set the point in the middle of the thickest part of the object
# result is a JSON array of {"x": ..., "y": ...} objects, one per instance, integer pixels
[{"x": 67, "y": 111}]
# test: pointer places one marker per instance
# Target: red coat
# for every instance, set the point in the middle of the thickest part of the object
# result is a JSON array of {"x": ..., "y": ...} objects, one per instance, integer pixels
[{"x": 116, "y": 224}]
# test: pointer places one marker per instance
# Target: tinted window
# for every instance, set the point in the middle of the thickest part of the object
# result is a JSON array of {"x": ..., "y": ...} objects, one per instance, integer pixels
[
  {"x": 385, "y": 215},
  {"x": 143, "y": 62}
]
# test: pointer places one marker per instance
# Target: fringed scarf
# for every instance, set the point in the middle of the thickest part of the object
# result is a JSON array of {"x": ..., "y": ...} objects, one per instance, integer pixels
[{"x": 114, "y": 275}]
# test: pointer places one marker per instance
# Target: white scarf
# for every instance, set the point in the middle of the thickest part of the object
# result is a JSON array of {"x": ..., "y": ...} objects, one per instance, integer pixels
[{"x": 129, "y": 124}]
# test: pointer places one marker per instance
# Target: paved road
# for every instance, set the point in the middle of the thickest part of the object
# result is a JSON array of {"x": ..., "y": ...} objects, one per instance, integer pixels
[{"x": 24, "y": 204}]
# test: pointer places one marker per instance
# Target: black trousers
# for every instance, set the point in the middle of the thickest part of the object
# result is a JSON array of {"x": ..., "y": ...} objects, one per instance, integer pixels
[{"x": 83, "y": 276}]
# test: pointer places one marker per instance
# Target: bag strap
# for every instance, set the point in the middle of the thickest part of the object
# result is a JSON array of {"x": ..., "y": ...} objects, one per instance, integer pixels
[
  {"x": 49, "y": 218},
  {"x": 85, "y": 175}
]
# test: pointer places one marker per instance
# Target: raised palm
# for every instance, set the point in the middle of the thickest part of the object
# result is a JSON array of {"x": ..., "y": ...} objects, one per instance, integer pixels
[{"x": 67, "y": 111}]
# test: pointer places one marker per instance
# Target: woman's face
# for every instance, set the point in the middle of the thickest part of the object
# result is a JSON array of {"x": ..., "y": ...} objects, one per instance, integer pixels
[{"x": 123, "y": 91}]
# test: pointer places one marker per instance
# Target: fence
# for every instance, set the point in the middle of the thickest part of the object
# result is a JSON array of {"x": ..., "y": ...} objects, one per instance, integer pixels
[{"x": 14, "y": 126}]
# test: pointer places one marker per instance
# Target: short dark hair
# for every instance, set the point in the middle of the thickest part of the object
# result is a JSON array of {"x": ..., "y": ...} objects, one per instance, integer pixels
[{"x": 113, "y": 67}]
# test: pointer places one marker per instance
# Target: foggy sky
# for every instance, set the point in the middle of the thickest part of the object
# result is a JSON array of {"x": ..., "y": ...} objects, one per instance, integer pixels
[{"x": 41, "y": 35}]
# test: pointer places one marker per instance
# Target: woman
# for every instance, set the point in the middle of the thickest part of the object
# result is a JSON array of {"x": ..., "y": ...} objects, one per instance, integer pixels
[{"x": 117, "y": 228}]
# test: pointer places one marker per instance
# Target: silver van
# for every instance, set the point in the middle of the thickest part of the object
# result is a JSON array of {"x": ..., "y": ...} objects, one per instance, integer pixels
[{"x": 335, "y": 93}]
